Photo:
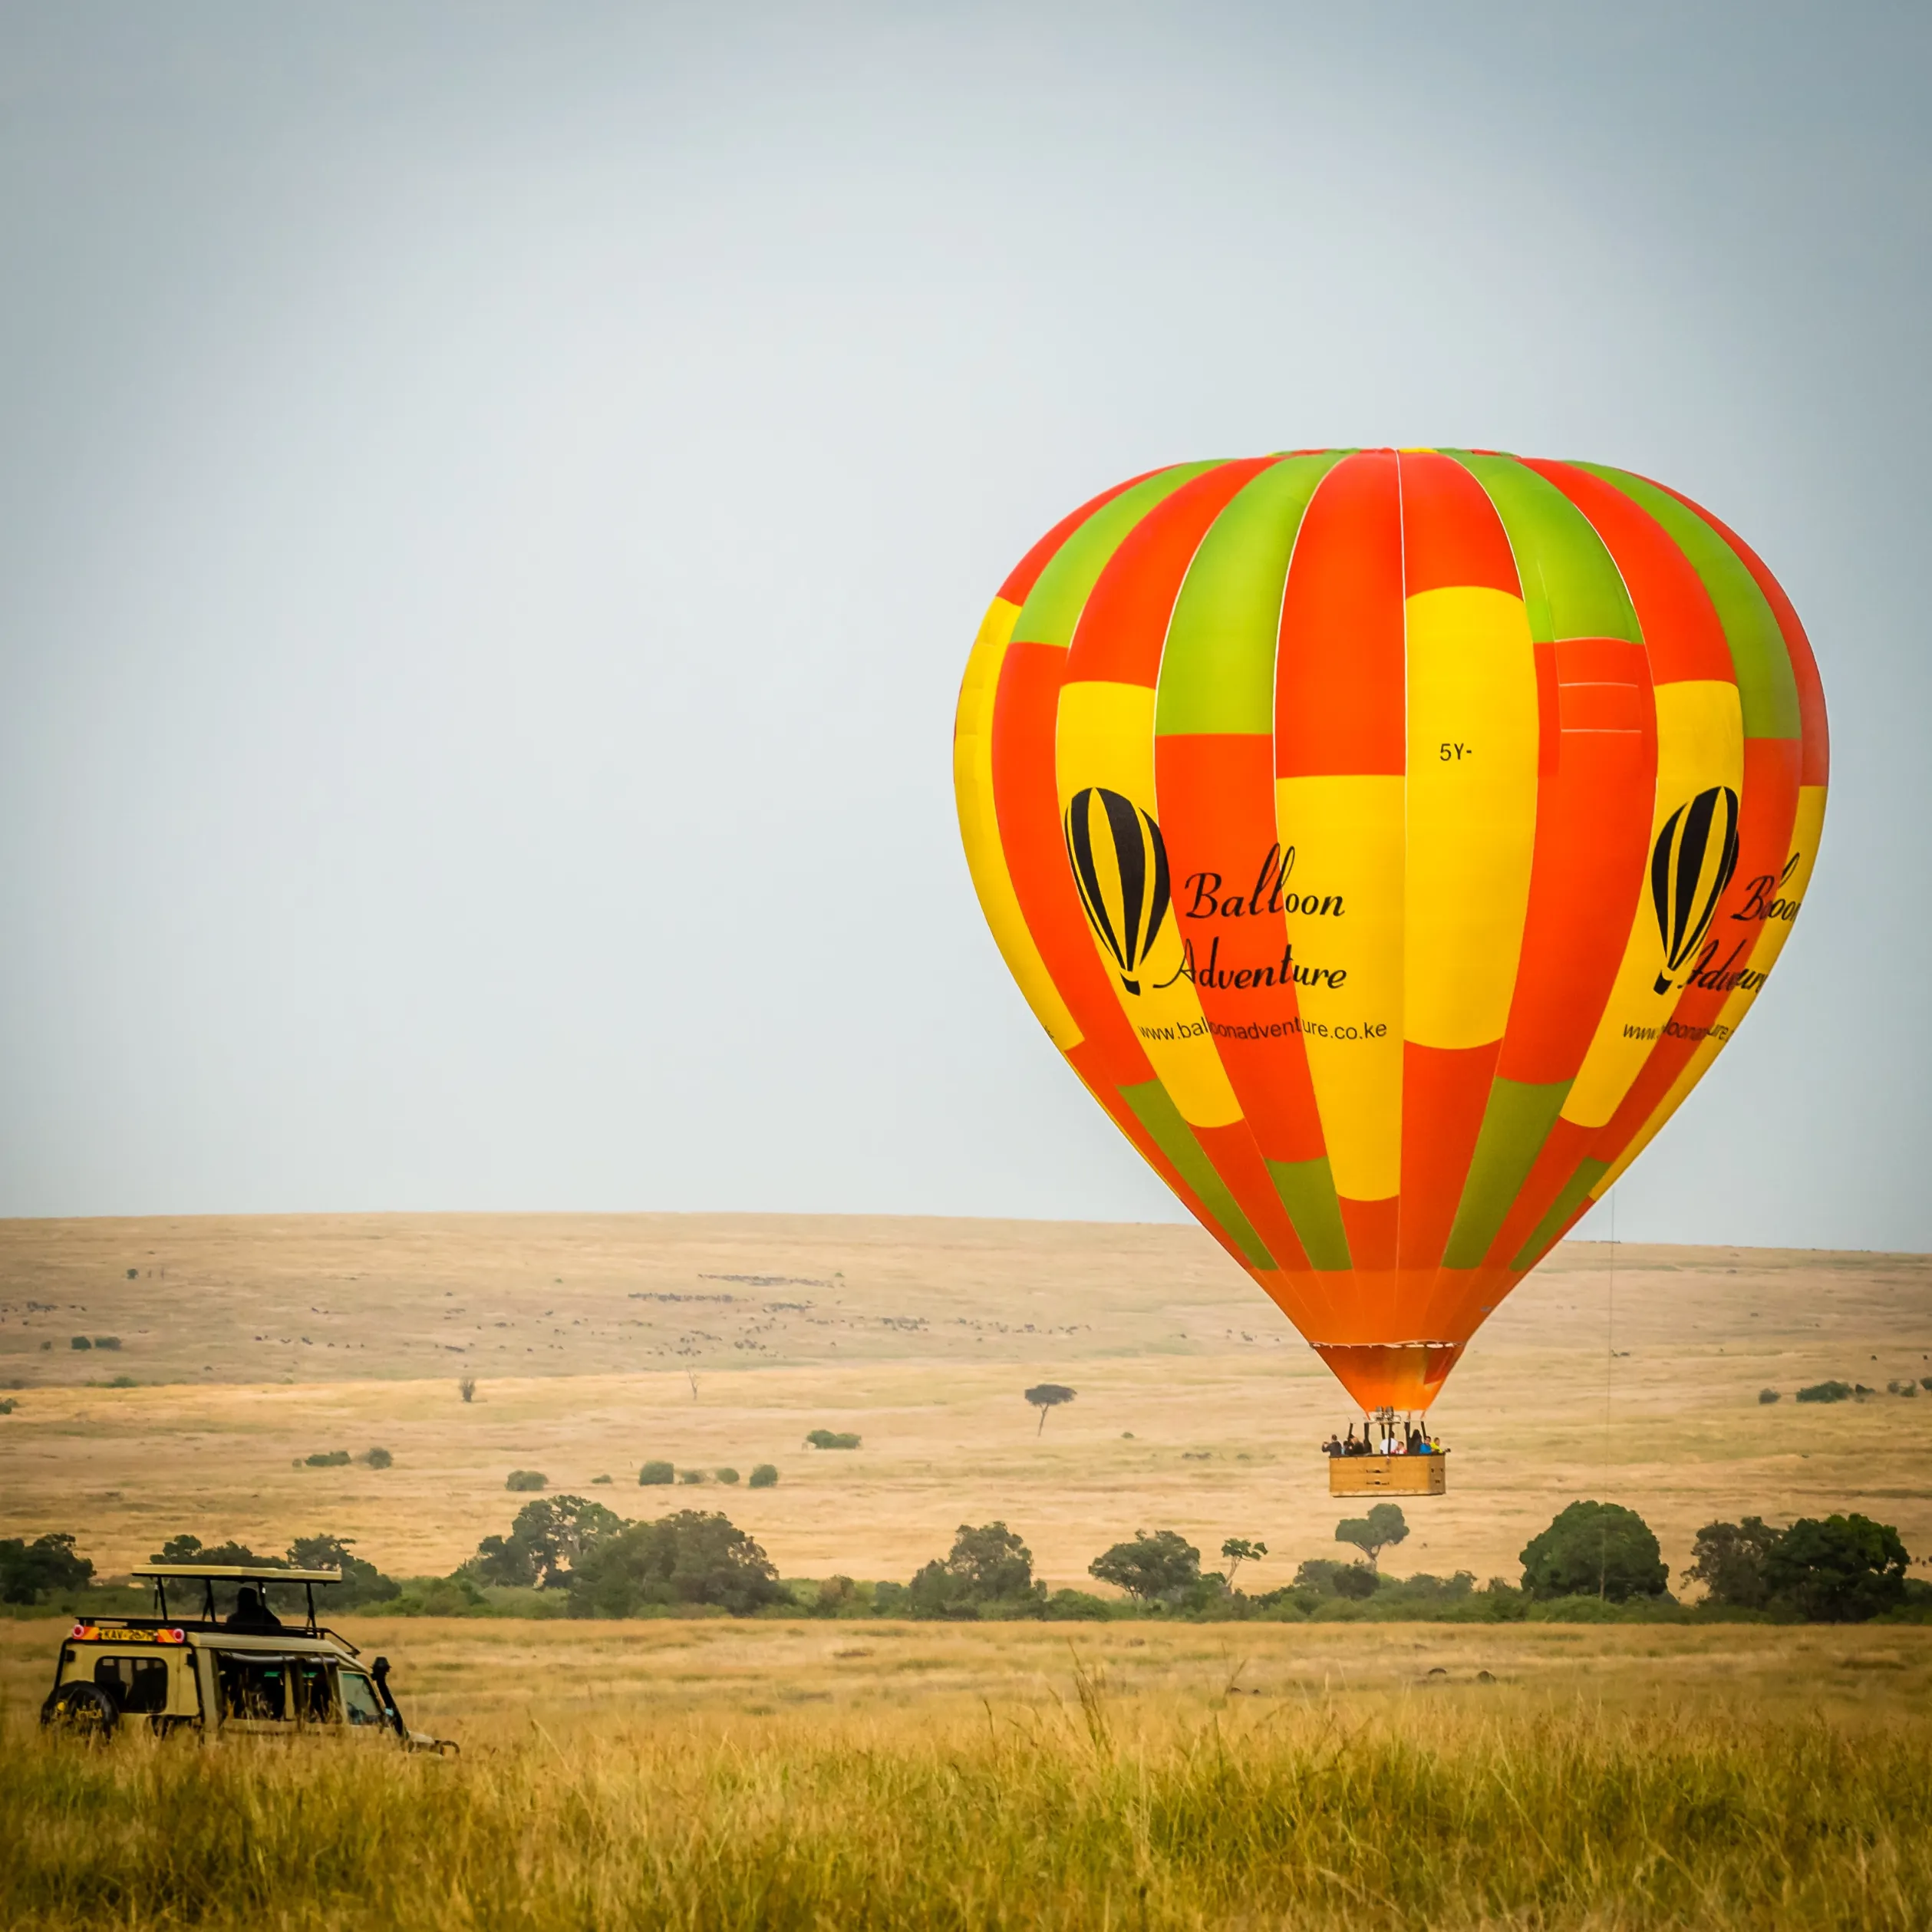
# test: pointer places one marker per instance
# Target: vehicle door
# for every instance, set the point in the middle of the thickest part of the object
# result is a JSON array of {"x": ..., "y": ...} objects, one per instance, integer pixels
[{"x": 361, "y": 1709}]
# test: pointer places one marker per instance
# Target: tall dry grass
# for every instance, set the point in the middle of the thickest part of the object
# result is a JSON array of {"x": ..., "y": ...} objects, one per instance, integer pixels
[{"x": 1421, "y": 1814}]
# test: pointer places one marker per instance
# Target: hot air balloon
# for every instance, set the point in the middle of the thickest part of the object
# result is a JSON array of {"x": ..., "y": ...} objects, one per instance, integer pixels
[{"x": 1390, "y": 840}]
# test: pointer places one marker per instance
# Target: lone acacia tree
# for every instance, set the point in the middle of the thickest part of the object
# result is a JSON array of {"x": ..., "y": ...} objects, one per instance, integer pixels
[
  {"x": 1048, "y": 1395},
  {"x": 1238, "y": 1550},
  {"x": 1384, "y": 1526}
]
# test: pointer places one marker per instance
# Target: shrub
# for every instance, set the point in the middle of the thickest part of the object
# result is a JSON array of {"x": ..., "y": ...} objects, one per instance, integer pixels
[
  {"x": 1332, "y": 1578},
  {"x": 107, "y": 1341},
  {"x": 831, "y": 1438},
  {"x": 466, "y": 1388},
  {"x": 833, "y": 1597},
  {"x": 327, "y": 1459},
  {"x": 8, "y": 1406},
  {"x": 1161, "y": 1567},
  {"x": 690, "y": 1475},
  {"x": 527, "y": 1479},
  {"x": 46, "y": 1563},
  {"x": 689, "y": 1557},
  {"x": 1925, "y": 1382},
  {"x": 378, "y": 1458},
  {"x": 1907, "y": 1387},
  {"x": 1592, "y": 1549},
  {"x": 1826, "y": 1392},
  {"x": 765, "y": 1476},
  {"x": 726, "y": 1475},
  {"x": 1768, "y": 1395},
  {"x": 656, "y": 1473},
  {"x": 78, "y": 1341},
  {"x": 1077, "y": 1605},
  {"x": 599, "y": 1481}
]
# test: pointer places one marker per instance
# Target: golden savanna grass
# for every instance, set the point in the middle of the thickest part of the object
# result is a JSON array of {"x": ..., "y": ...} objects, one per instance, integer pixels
[
  {"x": 707, "y": 1773},
  {"x": 702, "y": 1776}
]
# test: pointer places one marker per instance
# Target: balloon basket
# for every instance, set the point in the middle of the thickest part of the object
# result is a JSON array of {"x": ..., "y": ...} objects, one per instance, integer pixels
[{"x": 1387, "y": 1475}]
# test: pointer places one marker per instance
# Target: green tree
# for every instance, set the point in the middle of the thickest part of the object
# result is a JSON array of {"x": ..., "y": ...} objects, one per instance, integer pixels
[
  {"x": 1383, "y": 1528},
  {"x": 1595, "y": 1549},
  {"x": 765, "y": 1476},
  {"x": 1728, "y": 1560},
  {"x": 986, "y": 1565},
  {"x": 48, "y": 1563},
  {"x": 655, "y": 1474},
  {"x": 1238, "y": 1550},
  {"x": 1161, "y": 1568},
  {"x": 1046, "y": 1395},
  {"x": 1840, "y": 1570},
  {"x": 190, "y": 1549},
  {"x": 689, "y": 1557},
  {"x": 546, "y": 1543},
  {"x": 362, "y": 1582}
]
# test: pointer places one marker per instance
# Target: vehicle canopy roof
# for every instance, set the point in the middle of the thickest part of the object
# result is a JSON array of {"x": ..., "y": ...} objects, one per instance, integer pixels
[{"x": 263, "y": 1572}]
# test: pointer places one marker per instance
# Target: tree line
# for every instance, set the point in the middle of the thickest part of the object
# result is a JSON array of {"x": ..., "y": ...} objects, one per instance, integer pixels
[{"x": 570, "y": 1556}]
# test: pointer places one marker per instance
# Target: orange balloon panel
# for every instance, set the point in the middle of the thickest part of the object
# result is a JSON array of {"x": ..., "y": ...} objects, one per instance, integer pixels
[{"x": 1390, "y": 840}]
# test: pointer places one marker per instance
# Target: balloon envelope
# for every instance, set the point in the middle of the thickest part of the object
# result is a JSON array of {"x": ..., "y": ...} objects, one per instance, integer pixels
[{"x": 1391, "y": 840}]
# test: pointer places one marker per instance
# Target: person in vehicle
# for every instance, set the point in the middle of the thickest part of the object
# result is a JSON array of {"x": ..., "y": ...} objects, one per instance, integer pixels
[{"x": 252, "y": 1612}]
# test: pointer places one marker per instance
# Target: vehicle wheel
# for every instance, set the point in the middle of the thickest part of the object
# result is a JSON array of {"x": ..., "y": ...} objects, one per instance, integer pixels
[{"x": 81, "y": 1711}]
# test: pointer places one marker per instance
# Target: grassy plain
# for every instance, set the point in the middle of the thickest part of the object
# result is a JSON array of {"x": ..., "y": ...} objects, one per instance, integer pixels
[
  {"x": 255, "y": 1342},
  {"x": 717, "y": 1776},
  {"x": 706, "y": 1774}
]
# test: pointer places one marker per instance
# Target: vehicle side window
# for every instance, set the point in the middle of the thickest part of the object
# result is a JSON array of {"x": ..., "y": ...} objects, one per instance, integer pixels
[
  {"x": 312, "y": 1697},
  {"x": 359, "y": 1701},
  {"x": 252, "y": 1686},
  {"x": 139, "y": 1685}
]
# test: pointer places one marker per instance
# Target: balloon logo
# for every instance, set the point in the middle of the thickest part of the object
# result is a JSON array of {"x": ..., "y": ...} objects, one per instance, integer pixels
[
  {"x": 1124, "y": 888},
  {"x": 1690, "y": 870},
  {"x": 1391, "y": 840}
]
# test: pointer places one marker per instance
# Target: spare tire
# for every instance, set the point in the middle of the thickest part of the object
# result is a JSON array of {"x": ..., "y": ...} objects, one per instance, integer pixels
[{"x": 81, "y": 1711}]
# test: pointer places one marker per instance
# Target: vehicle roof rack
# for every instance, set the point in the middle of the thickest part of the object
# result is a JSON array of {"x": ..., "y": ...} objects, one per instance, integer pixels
[{"x": 231, "y": 1572}]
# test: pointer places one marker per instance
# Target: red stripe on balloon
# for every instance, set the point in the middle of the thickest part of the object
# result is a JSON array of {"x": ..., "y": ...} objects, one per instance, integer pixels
[
  {"x": 1451, "y": 534},
  {"x": 1124, "y": 628},
  {"x": 1682, "y": 635},
  {"x": 1814, "y": 768},
  {"x": 1593, "y": 832},
  {"x": 1340, "y": 673},
  {"x": 1217, "y": 800}
]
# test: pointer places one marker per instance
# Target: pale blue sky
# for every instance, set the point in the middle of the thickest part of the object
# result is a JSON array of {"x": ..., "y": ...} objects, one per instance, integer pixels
[{"x": 494, "y": 502}]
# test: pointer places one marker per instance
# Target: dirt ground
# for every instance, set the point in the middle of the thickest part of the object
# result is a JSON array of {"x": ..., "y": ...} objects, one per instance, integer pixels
[{"x": 598, "y": 1342}]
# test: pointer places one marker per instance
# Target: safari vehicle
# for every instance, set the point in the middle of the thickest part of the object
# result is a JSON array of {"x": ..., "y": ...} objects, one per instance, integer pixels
[{"x": 246, "y": 1674}]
